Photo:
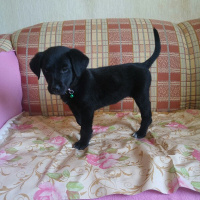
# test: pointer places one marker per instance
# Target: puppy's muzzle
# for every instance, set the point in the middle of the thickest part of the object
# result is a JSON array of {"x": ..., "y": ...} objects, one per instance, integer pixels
[{"x": 55, "y": 90}]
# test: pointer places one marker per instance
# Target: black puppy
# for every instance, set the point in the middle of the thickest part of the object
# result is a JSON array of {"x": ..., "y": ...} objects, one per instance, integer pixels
[{"x": 86, "y": 90}]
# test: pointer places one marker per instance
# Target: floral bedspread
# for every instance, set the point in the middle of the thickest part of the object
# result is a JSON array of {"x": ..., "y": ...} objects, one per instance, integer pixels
[{"x": 37, "y": 160}]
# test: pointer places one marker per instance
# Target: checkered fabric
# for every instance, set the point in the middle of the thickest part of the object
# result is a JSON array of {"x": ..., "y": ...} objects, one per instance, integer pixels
[
  {"x": 5, "y": 43},
  {"x": 175, "y": 74}
]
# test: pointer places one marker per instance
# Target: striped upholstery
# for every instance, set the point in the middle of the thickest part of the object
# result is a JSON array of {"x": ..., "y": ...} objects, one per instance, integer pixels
[
  {"x": 175, "y": 74},
  {"x": 5, "y": 43}
]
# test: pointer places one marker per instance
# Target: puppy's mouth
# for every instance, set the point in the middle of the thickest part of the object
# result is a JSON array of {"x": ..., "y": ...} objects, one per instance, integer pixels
[{"x": 56, "y": 91}]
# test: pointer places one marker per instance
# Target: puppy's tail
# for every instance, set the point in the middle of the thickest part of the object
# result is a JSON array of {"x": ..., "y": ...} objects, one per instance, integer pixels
[{"x": 156, "y": 52}]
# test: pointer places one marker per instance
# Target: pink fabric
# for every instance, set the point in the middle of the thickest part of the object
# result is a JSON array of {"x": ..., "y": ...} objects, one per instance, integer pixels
[
  {"x": 182, "y": 193},
  {"x": 10, "y": 86}
]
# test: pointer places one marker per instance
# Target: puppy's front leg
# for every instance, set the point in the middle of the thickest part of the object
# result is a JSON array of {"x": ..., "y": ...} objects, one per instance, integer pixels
[
  {"x": 76, "y": 113},
  {"x": 86, "y": 129}
]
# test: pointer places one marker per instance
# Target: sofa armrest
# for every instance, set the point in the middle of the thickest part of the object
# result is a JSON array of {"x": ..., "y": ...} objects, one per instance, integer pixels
[
  {"x": 5, "y": 43},
  {"x": 10, "y": 86},
  {"x": 191, "y": 32}
]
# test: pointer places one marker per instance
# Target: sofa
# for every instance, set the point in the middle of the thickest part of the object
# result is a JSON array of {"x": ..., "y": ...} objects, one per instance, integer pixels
[{"x": 37, "y": 158}]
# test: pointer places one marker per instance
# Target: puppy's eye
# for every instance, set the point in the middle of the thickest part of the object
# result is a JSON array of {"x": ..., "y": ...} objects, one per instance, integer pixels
[{"x": 64, "y": 69}]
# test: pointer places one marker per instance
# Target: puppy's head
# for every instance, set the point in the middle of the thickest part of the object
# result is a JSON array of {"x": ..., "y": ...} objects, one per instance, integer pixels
[{"x": 60, "y": 66}]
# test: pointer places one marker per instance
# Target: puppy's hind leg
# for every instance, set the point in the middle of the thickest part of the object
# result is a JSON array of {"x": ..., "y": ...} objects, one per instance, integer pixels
[{"x": 145, "y": 109}]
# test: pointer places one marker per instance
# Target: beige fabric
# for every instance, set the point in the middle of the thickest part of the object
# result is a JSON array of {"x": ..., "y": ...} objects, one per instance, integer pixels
[{"x": 37, "y": 159}]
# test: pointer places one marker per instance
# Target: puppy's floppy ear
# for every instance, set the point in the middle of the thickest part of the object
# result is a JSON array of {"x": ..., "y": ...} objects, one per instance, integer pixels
[
  {"x": 35, "y": 64},
  {"x": 79, "y": 61}
]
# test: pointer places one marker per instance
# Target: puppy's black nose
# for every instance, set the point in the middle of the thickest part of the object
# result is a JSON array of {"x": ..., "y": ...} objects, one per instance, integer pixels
[{"x": 55, "y": 89}]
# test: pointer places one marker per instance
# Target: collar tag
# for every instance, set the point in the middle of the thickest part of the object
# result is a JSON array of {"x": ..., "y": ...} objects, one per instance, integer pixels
[{"x": 71, "y": 93}]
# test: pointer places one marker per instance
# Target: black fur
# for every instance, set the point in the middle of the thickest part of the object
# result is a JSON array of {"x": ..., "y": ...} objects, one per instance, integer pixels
[{"x": 65, "y": 68}]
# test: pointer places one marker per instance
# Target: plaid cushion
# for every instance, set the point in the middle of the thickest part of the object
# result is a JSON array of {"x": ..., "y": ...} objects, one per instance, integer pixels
[
  {"x": 110, "y": 42},
  {"x": 5, "y": 43}
]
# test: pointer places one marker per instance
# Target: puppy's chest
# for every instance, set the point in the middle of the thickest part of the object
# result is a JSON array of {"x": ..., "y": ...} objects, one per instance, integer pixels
[
  {"x": 67, "y": 99},
  {"x": 71, "y": 101}
]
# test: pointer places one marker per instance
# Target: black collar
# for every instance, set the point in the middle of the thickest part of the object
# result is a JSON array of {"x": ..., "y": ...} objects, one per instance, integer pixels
[{"x": 72, "y": 85}]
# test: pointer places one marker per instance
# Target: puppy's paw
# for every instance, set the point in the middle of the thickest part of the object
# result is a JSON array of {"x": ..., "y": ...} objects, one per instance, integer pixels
[
  {"x": 139, "y": 135},
  {"x": 80, "y": 145}
]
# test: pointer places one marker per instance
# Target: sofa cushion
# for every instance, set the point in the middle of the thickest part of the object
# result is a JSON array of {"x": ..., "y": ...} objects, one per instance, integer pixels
[
  {"x": 10, "y": 87},
  {"x": 109, "y": 42}
]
